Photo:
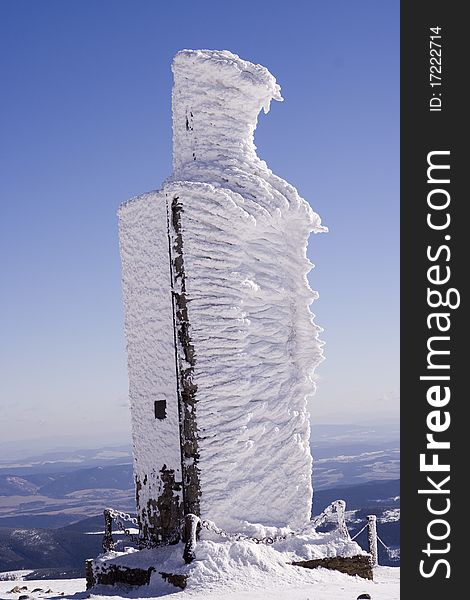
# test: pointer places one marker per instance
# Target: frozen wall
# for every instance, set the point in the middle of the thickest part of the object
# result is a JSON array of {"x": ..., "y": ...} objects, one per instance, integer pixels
[
  {"x": 245, "y": 235},
  {"x": 151, "y": 364},
  {"x": 246, "y": 345}
]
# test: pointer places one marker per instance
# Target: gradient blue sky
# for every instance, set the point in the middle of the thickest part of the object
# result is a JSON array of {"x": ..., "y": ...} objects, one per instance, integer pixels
[{"x": 85, "y": 118}]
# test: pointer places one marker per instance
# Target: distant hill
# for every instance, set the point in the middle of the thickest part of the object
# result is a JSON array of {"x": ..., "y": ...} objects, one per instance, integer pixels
[
  {"x": 371, "y": 494},
  {"x": 95, "y": 523},
  {"x": 110, "y": 477},
  {"x": 42, "y": 521},
  {"x": 14, "y": 485},
  {"x": 43, "y": 548},
  {"x": 59, "y": 484}
]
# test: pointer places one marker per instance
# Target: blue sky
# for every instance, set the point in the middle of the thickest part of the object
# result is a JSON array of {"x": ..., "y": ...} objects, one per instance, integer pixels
[{"x": 85, "y": 123}]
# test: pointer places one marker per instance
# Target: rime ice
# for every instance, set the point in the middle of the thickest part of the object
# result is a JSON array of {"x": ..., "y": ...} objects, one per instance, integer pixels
[{"x": 221, "y": 342}]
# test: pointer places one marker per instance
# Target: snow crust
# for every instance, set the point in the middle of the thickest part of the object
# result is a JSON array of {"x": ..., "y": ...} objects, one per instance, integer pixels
[
  {"x": 225, "y": 563},
  {"x": 289, "y": 583},
  {"x": 245, "y": 234}
]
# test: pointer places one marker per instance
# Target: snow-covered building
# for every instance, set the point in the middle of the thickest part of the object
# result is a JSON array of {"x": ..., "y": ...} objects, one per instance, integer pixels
[{"x": 221, "y": 341}]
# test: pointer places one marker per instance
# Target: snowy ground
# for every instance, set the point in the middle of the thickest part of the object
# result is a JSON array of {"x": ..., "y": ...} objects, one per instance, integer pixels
[{"x": 317, "y": 584}]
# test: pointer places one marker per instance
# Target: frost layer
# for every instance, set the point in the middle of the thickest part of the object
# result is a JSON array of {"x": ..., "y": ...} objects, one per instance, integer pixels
[
  {"x": 244, "y": 237},
  {"x": 150, "y": 350}
]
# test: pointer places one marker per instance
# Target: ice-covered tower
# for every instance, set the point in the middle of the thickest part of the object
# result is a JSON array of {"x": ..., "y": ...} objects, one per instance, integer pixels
[{"x": 221, "y": 343}]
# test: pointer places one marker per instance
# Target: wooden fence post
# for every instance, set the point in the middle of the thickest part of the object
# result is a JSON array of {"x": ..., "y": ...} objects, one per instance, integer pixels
[
  {"x": 108, "y": 542},
  {"x": 372, "y": 538},
  {"x": 191, "y": 523}
]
